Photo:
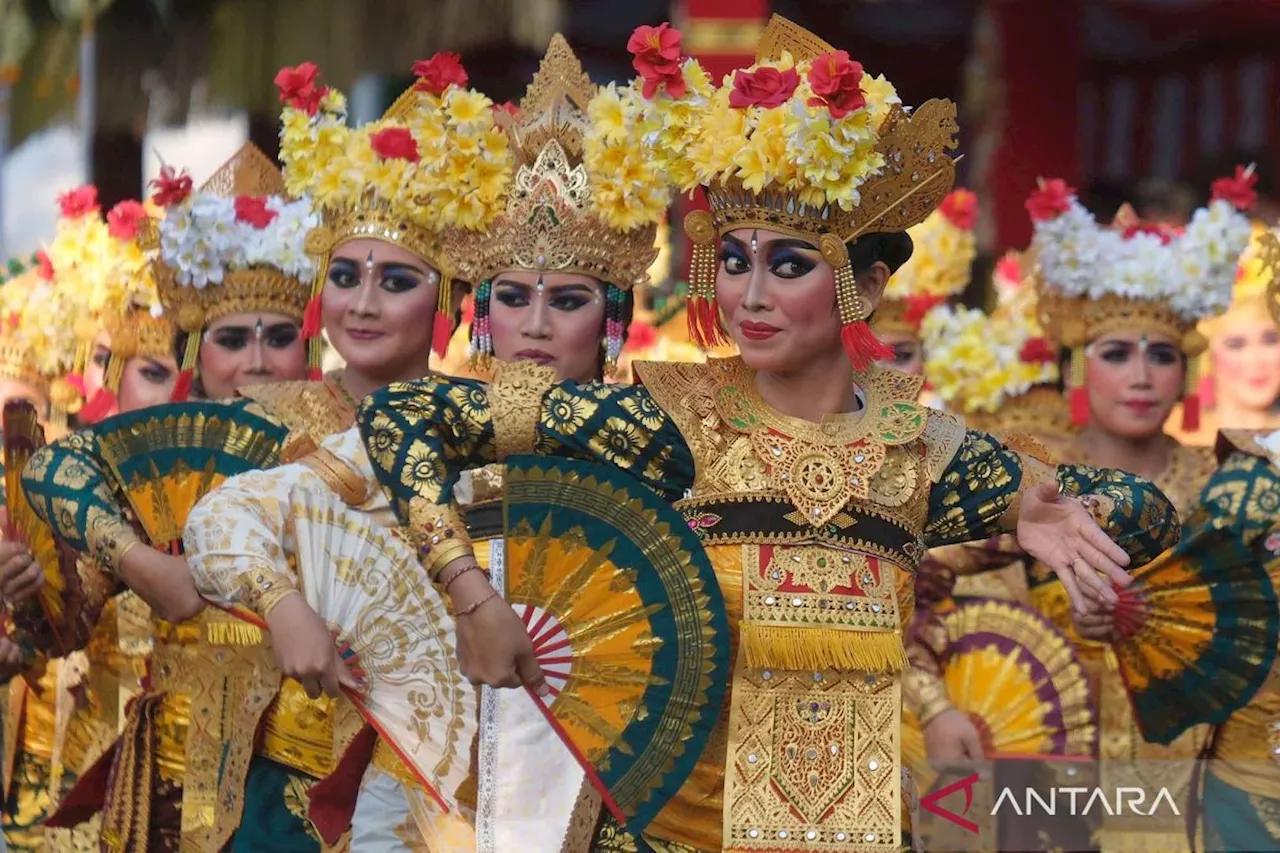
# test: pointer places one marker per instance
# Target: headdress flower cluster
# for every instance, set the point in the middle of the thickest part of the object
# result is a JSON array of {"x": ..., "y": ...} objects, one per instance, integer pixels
[
  {"x": 438, "y": 157},
  {"x": 1190, "y": 270}
]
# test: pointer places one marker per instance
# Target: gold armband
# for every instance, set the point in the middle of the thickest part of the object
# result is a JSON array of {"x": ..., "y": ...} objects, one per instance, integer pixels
[
  {"x": 344, "y": 480},
  {"x": 262, "y": 589},
  {"x": 924, "y": 693},
  {"x": 110, "y": 538},
  {"x": 515, "y": 400},
  {"x": 439, "y": 535}
]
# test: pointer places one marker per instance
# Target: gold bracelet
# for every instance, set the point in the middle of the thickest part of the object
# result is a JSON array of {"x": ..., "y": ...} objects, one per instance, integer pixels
[{"x": 474, "y": 606}]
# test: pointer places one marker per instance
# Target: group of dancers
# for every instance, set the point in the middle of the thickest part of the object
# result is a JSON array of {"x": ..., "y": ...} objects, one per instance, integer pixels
[{"x": 179, "y": 687}]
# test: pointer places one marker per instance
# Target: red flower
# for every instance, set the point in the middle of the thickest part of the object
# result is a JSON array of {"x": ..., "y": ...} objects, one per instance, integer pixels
[
  {"x": 46, "y": 265},
  {"x": 439, "y": 73},
  {"x": 1009, "y": 268},
  {"x": 1238, "y": 190},
  {"x": 506, "y": 107},
  {"x": 960, "y": 208},
  {"x": 253, "y": 210},
  {"x": 655, "y": 53},
  {"x": 918, "y": 306},
  {"x": 764, "y": 87},
  {"x": 125, "y": 218},
  {"x": 395, "y": 143},
  {"x": 1165, "y": 233},
  {"x": 1037, "y": 351},
  {"x": 171, "y": 187},
  {"x": 298, "y": 87},
  {"x": 641, "y": 335},
  {"x": 1050, "y": 200},
  {"x": 836, "y": 80},
  {"x": 78, "y": 202}
]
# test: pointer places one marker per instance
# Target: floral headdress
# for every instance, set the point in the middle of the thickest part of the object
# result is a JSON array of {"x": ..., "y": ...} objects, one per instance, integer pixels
[
  {"x": 588, "y": 194},
  {"x": 235, "y": 245},
  {"x": 102, "y": 265},
  {"x": 940, "y": 266},
  {"x": 38, "y": 333},
  {"x": 804, "y": 142},
  {"x": 1137, "y": 275},
  {"x": 435, "y": 162},
  {"x": 996, "y": 368}
]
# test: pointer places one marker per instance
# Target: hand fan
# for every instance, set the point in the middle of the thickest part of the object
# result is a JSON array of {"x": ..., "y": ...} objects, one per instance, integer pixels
[
  {"x": 1018, "y": 679},
  {"x": 628, "y": 623},
  {"x": 1197, "y": 635},
  {"x": 392, "y": 629},
  {"x": 54, "y": 612},
  {"x": 165, "y": 458}
]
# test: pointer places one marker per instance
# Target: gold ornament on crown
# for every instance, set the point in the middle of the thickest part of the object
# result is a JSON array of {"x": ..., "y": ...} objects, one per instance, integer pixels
[
  {"x": 551, "y": 222},
  {"x": 137, "y": 333},
  {"x": 1269, "y": 259}
]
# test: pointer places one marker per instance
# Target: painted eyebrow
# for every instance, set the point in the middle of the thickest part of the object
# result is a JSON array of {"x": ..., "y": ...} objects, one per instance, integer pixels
[
  {"x": 791, "y": 243},
  {"x": 245, "y": 330},
  {"x": 386, "y": 266}
]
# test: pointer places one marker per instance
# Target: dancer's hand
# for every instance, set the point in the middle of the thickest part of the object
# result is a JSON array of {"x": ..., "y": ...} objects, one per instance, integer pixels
[
  {"x": 1095, "y": 626},
  {"x": 20, "y": 575},
  {"x": 493, "y": 645},
  {"x": 305, "y": 650},
  {"x": 951, "y": 737},
  {"x": 1060, "y": 533}
]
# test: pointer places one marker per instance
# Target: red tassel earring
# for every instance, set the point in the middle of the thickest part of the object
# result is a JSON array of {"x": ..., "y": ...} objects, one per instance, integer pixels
[
  {"x": 1079, "y": 397},
  {"x": 861, "y": 345},
  {"x": 442, "y": 328},
  {"x": 703, "y": 312},
  {"x": 1191, "y": 396}
]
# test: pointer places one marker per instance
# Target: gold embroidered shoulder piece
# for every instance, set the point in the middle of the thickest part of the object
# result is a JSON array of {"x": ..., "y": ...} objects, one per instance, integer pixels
[
  {"x": 312, "y": 411},
  {"x": 1185, "y": 476},
  {"x": 943, "y": 435},
  {"x": 1246, "y": 441}
]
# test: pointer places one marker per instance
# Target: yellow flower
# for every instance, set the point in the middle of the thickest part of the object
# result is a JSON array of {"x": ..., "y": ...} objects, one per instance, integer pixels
[
  {"x": 468, "y": 109},
  {"x": 609, "y": 114}
]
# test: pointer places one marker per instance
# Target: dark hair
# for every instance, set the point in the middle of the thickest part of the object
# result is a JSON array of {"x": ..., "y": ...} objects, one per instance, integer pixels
[{"x": 892, "y": 248}]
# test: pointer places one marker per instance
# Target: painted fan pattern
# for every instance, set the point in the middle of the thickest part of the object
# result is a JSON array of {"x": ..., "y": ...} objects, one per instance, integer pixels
[
  {"x": 628, "y": 621},
  {"x": 164, "y": 459},
  {"x": 55, "y": 612},
  {"x": 1019, "y": 679},
  {"x": 1197, "y": 637}
]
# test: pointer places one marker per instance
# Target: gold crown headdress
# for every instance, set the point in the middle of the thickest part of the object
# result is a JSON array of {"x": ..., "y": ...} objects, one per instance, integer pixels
[
  {"x": 235, "y": 245},
  {"x": 941, "y": 263},
  {"x": 1249, "y": 295},
  {"x": 805, "y": 143},
  {"x": 38, "y": 333},
  {"x": 435, "y": 162},
  {"x": 1096, "y": 279}
]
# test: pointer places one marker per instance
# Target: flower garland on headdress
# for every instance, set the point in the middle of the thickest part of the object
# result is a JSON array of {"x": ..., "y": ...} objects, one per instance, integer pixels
[
  {"x": 435, "y": 162},
  {"x": 38, "y": 333},
  {"x": 1137, "y": 275},
  {"x": 941, "y": 263},
  {"x": 592, "y": 183},
  {"x": 237, "y": 244},
  {"x": 804, "y": 142}
]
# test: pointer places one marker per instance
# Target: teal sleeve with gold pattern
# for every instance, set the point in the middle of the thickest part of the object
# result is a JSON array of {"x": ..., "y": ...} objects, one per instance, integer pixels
[{"x": 976, "y": 497}]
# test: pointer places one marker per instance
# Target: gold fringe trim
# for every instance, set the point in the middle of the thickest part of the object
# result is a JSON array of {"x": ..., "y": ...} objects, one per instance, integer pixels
[
  {"x": 233, "y": 634},
  {"x": 787, "y": 647}
]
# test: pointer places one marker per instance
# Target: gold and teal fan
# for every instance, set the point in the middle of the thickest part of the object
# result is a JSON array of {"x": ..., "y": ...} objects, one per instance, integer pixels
[
  {"x": 1196, "y": 635},
  {"x": 627, "y": 621},
  {"x": 165, "y": 458},
  {"x": 1019, "y": 680},
  {"x": 54, "y": 612}
]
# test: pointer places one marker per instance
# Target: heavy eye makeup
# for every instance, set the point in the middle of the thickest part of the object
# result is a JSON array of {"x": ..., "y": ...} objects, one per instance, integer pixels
[
  {"x": 101, "y": 355},
  {"x": 786, "y": 258},
  {"x": 276, "y": 336},
  {"x": 393, "y": 278},
  {"x": 561, "y": 297},
  {"x": 904, "y": 352},
  {"x": 1119, "y": 352},
  {"x": 154, "y": 372}
]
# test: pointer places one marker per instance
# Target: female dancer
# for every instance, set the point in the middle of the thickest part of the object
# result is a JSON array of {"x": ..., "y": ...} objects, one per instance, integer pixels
[
  {"x": 941, "y": 263},
  {"x": 824, "y": 450},
  {"x": 383, "y": 270},
  {"x": 569, "y": 315}
]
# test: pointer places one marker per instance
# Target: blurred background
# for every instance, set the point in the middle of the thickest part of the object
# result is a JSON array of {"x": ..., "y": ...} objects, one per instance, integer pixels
[{"x": 1129, "y": 100}]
